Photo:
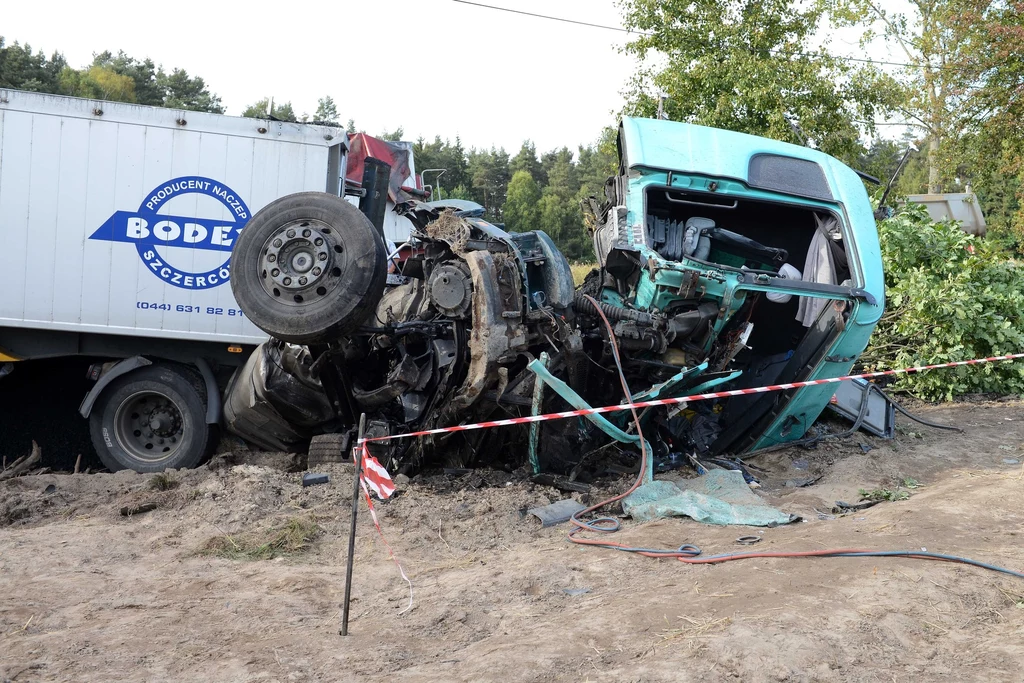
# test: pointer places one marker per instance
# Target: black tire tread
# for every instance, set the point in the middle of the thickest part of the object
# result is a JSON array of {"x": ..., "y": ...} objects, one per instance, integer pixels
[{"x": 328, "y": 449}]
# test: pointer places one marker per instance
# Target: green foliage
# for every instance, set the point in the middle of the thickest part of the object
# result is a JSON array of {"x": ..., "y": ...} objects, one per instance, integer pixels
[
  {"x": 560, "y": 213},
  {"x": 395, "y": 135},
  {"x": 281, "y": 112},
  {"x": 21, "y": 68},
  {"x": 526, "y": 160},
  {"x": 119, "y": 77},
  {"x": 103, "y": 83},
  {"x": 327, "y": 111},
  {"x": 597, "y": 163},
  {"x": 488, "y": 170},
  {"x": 750, "y": 66},
  {"x": 447, "y": 155},
  {"x": 950, "y": 297},
  {"x": 554, "y": 183},
  {"x": 945, "y": 42},
  {"x": 145, "y": 88},
  {"x": 182, "y": 91},
  {"x": 880, "y": 494},
  {"x": 522, "y": 203},
  {"x": 901, "y": 491}
]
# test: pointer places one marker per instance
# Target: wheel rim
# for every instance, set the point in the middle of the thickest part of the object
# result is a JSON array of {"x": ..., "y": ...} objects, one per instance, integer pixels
[
  {"x": 149, "y": 426},
  {"x": 299, "y": 262}
]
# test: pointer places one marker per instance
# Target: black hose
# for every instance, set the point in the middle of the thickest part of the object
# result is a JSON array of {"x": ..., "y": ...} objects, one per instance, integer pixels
[
  {"x": 915, "y": 418},
  {"x": 585, "y": 304}
]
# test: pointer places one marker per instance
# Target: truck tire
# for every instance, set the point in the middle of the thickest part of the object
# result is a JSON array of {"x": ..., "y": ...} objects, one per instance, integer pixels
[
  {"x": 308, "y": 267},
  {"x": 152, "y": 419}
]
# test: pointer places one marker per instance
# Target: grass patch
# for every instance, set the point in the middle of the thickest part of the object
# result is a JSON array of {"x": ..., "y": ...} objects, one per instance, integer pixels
[
  {"x": 580, "y": 271},
  {"x": 163, "y": 482},
  {"x": 899, "y": 492},
  {"x": 293, "y": 536}
]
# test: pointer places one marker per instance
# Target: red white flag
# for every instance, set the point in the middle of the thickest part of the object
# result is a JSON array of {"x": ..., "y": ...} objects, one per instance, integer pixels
[{"x": 375, "y": 476}]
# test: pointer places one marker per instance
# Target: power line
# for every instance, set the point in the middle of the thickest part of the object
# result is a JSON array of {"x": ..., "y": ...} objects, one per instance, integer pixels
[
  {"x": 644, "y": 33},
  {"x": 545, "y": 16}
]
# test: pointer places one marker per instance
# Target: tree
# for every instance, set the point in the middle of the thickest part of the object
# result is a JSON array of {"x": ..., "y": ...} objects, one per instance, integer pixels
[
  {"x": 526, "y": 160},
  {"x": 326, "y": 111},
  {"x": 22, "y": 69},
  {"x": 145, "y": 88},
  {"x": 943, "y": 42},
  {"x": 521, "y": 211},
  {"x": 395, "y": 135},
  {"x": 549, "y": 160},
  {"x": 117, "y": 77},
  {"x": 182, "y": 91},
  {"x": 449, "y": 156},
  {"x": 561, "y": 217},
  {"x": 350, "y": 127},
  {"x": 489, "y": 177},
  {"x": 998, "y": 147},
  {"x": 597, "y": 163},
  {"x": 748, "y": 65},
  {"x": 281, "y": 112},
  {"x": 98, "y": 83}
]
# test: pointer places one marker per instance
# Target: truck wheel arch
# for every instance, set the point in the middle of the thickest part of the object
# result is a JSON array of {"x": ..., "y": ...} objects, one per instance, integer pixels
[
  {"x": 214, "y": 402},
  {"x": 120, "y": 368}
]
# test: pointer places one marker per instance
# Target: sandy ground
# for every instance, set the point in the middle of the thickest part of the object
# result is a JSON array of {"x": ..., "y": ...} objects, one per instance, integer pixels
[{"x": 87, "y": 594}]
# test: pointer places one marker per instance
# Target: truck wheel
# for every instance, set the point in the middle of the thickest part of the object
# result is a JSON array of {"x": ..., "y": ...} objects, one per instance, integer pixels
[
  {"x": 308, "y": 267},
  {"x": 151, "y": 419}
]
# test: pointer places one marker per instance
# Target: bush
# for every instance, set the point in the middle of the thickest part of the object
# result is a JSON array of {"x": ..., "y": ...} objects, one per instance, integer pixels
[{"x": 950, "y": 297}]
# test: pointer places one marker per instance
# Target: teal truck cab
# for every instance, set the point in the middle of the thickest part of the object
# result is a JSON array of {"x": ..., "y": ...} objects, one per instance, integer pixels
[{"x": 756, "y": 262}]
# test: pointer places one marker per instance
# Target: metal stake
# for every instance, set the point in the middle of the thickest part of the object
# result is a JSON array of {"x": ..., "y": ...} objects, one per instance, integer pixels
[{"x": 358, "y": 457}]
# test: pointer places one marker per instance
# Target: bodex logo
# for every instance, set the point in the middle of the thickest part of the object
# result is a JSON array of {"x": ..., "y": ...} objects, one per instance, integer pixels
[{"x": 149, "y": 230}]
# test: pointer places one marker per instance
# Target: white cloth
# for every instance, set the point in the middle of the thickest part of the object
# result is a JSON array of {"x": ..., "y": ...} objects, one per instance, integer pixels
[
  {"x": 820, "y": 268},
  {"x": 790, "y": 273}
]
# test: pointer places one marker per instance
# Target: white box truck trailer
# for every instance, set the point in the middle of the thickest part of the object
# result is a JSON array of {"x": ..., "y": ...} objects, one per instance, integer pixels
[{"x": 116, "y": 228}]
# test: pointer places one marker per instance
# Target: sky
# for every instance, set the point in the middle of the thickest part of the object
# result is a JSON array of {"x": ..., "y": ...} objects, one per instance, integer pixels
[{"x": 433, "y": 67}]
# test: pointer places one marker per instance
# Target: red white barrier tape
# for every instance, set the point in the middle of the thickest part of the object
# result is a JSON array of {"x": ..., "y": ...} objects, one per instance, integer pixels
[{"x": 687, "y": 399}]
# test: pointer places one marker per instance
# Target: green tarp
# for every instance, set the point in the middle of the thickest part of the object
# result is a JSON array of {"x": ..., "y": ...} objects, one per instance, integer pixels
[{"x": 718, "y": 497}]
